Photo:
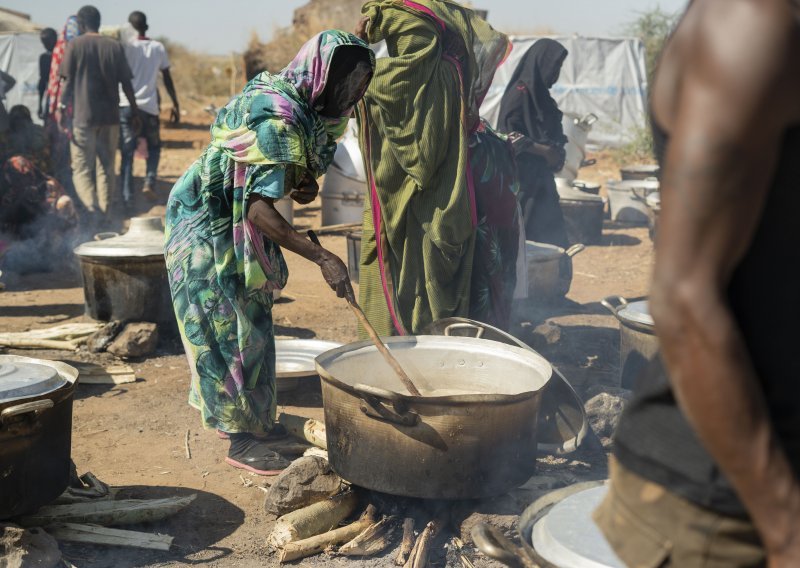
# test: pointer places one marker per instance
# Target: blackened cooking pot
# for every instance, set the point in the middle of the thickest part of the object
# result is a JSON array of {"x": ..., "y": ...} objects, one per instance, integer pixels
[
  {"x": 125, "y": 277},
  {"x": 472, "y": 433},
  {"x": 35, "y": 432},
  {"x": 638, "y": 343}
]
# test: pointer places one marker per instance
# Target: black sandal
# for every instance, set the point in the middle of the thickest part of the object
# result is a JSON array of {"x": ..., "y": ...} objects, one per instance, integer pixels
[{"x": 253, "y": 454}]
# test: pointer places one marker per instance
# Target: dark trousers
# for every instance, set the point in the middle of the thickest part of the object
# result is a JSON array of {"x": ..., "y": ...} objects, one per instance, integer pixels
[{"x": 128, "y": 140}]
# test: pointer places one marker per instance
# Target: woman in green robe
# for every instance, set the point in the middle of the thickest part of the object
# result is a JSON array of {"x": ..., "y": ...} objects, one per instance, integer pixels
[{"x": 224, "y": 236}]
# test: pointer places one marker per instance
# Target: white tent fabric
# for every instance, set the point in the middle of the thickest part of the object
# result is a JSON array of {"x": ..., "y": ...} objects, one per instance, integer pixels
[
  {"x": 604, "y": 76},
  {"x": 19, "y": 57}
]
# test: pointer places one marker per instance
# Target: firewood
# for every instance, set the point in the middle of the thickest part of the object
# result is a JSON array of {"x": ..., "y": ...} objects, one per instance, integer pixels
[
  {"x": 312, "y": 520},
  {"x": 318, "y": 544},
  {"x": 308, "y": 429},
  {"x": 123, "y": 512},
  {"x": 92, "y": 534},
  {"x": 371, "y": 541},
  {"x": 407, "y": 544},
  {"x": 422, "y": 548}
]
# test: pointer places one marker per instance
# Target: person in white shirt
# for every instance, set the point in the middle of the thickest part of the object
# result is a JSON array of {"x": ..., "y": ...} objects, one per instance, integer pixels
[{"x": 146, "y": 58}]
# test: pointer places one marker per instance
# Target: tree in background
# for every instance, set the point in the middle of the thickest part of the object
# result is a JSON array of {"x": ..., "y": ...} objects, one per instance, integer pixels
[{"x": 653, "y": 27}]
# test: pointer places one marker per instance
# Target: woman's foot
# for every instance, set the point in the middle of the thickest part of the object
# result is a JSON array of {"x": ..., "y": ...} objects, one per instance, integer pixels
[
  {"x": 253, "y": 454},
  {"x": 277, "y": 433}
]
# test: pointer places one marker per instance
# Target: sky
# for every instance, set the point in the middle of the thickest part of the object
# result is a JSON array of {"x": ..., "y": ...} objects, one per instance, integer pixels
[{"x": 223, "y": 26}]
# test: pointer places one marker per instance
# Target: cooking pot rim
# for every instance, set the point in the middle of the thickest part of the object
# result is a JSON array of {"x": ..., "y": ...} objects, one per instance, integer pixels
[{"x": 452, "y": 400}]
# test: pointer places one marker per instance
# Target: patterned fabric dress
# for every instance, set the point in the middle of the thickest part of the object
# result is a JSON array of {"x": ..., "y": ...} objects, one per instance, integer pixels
[{"x": 222, "y": 270}]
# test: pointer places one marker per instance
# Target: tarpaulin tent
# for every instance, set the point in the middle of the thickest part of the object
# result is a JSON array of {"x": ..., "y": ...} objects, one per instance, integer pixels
[
  {"x": 19, "y": 57},
  {"x": 604, "y": 76}
]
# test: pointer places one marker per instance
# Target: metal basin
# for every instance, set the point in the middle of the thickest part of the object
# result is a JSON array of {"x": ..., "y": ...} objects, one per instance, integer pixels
[{"x": 471, "y": 435}]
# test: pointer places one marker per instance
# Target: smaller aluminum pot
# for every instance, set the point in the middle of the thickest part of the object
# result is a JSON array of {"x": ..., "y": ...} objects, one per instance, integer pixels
[
  {"x": 638, "y": 343},
  {"x": 548, "y": 279},
  {"x": 342, "y": 198},
  {"x": 625, "y": 200}
]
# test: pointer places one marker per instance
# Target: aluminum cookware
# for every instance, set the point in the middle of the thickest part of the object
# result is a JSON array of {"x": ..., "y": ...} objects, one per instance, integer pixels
[
  {"x": 562, "y": 418},
  {"x": 345, "y": 183},
  {"x": 576, "y": 129},
  {"x": 583, "y": 213},
  {"x": 35, "y": 432},
  {"x": 638, "y": 343},
  {"x": 625, "y": 200},
  {"x": 472, "y": 433},
  {"x": 125, "y": 277},
  {"x": 549, "y": 279},
  {"x": 294, "y": 361},
  {"x": 354, "y": 255}
]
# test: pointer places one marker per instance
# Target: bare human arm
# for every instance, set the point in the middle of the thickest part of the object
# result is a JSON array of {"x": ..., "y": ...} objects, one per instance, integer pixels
[
  {"x": 727, "y": 118},
  {"x": 261, "y": 212},
  {"x": 175, "y": 113}
]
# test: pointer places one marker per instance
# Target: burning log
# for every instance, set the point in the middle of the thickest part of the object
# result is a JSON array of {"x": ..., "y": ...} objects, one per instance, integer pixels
[
  {"x": 373, "y": 540},
  {"x": 318, "y": 544},
  {"x": 407, "y": 544},
  {"x": 313, "y": 520},
  {"x": 422, "y": 548},
  {"x": 308, "y": 429}
]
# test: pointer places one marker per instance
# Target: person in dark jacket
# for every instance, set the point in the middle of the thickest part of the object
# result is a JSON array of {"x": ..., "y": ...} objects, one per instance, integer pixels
[
  {"x": 532, "y": 118},
  {"x": 49, "y": 38}
]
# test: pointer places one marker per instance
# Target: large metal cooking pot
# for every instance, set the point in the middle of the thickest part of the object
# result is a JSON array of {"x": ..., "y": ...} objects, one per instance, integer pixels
[
  {"x": 35, "y": 432},
  {"x": 638, "y": 343},
  {"x": 125, "y": 277},
  {"x": 548, "y": 280},
  {"x": 583, "y": 212},
  {"x": 625, "y": 202},
  {"x": 345, "y": 183},
  {"x": 472, "y": 433},
  {"x": 562, "y": 418}
]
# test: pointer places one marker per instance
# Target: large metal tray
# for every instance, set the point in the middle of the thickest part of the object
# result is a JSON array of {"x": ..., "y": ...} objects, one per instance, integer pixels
[{"x": 294, "y": 360}]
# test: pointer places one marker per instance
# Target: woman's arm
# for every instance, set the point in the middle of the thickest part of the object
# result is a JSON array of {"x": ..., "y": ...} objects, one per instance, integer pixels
[{"x": 261, "y": 212}]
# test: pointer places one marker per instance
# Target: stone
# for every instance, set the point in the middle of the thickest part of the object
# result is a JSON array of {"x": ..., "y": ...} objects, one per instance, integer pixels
[
  {"x": 21, "y": 548},
  {"x": 545, "y": 336},
  {"x": 101, "y": 339},
  {"x": 135, "y": 340},
  {"x": 307, "y": 481},
  {"x": 603, "y": 412}
]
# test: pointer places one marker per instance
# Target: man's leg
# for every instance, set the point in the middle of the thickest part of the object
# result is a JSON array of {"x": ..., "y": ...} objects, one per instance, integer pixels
[
  {"x": 151, "y": 126},
  {"x": 107, "y": 142},
  {"x": 84, "y": 154},
  {"x": 127, "y": 144}
]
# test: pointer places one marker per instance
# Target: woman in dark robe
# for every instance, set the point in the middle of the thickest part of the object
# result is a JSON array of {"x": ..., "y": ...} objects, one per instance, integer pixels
[{"x": 531, "y": 116}]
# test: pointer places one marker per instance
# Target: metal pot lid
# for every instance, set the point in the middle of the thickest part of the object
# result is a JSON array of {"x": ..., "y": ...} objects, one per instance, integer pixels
[
  {"x": 648, "y": 185},
  {"x": 294, "y": 358},
  {"x": 562, "y": 423},
  {"x": 542, "y": 252},
  {"x": 637, "y": 313},
  {"x": 27, "y": 380},
  {"x": 569, "y": 193},
  {"x": 654, "y": 200},
  {"x": 567, "y": 536},
  {"x": 144, "y": 238}
]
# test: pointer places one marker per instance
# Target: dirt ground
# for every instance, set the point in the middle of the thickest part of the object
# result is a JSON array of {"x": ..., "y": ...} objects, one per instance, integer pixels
[{"x": 133, "y": 435}]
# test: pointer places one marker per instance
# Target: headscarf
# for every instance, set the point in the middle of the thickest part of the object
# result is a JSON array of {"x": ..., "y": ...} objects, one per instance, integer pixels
[
  {"x": 70, "y": 32},
  {"x": 274, "y": 119},
  {"x": 527, "y": 106}
]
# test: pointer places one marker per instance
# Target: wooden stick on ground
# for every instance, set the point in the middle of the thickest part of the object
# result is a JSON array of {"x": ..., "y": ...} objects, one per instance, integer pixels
[
  {"x": 318, "y": 544},
  {"x": 186, "y": 446},
  {"x": 393, "y": 363},
  {"x": 123, "y": 512},
  {"x": 407, "y": 545},
  {"x": 313, "y": 520},
  {"x": 308, "y": 429},
  {"x": 422, "y": 548},
  {"x": 93, "y": 534}
]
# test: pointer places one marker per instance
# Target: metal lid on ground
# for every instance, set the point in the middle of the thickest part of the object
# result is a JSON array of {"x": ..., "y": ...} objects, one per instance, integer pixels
[
  {"x": 145, "y": 238},
  {"x": 27, "y": 379},
  {"x": 637, "y": 312}
]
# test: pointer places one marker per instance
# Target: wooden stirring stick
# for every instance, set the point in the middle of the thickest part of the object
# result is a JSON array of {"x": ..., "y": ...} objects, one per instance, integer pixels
[{"x": 362, "y": 317}]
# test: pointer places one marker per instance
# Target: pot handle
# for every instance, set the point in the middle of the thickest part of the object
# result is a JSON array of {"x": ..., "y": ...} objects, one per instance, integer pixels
[
  {"x": 375, "y": 401},
  {"x": 496, "y": 546},
  {"x": 614, "y": 304},
  {"x": 588, "y": 163},
  {"x": 36, "y": 406},
  {"x": 589, "y": 119},
  {"x": 105, "y": 235},
  {"x": 478, "y": 329},
  {"x": 575, "y": 249}
]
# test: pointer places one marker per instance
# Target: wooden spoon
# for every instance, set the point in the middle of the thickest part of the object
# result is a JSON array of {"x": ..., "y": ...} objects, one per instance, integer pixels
[{"x": 387, "y": 355}]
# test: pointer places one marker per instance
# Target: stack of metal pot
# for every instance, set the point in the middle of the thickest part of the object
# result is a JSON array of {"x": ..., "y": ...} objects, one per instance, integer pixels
[
  {"x": 576, "y": 130},
  {"x": 125, "y": 277},
  {"x": 345, "y": 183}
]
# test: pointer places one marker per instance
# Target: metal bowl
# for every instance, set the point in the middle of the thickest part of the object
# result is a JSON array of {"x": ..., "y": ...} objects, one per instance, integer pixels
[{"x": 294, "y": 360}]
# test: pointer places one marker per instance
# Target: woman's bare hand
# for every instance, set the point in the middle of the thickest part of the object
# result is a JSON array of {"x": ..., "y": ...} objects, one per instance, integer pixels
[
  {"x": 307, "y": 190},
  {"x": 335, "y": 274},
  {"x": 361, "y": 28}
]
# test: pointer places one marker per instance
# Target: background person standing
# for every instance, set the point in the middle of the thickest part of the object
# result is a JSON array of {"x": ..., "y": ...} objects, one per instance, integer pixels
[
  {"x": 146, "y": 58},
  {"x": 94, "y": 66},
  {"x": 49, "y": 38}
]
